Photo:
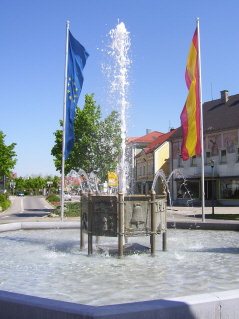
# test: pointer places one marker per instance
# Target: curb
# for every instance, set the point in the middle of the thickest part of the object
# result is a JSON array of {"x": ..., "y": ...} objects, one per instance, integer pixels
[
  {"x": 39, "y": 225},
  {"x": 203, "y": 226}
]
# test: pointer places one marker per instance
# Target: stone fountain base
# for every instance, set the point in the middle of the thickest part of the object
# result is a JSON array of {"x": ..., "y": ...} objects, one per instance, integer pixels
[{"x": 221, "y": 305}]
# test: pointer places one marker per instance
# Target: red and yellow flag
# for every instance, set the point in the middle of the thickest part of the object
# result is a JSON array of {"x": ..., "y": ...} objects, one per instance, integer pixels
[{"x": 190, "y": 116}]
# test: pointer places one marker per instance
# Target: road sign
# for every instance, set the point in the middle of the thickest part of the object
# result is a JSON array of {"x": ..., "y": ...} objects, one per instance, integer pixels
[{"x": 112, "y": 179}]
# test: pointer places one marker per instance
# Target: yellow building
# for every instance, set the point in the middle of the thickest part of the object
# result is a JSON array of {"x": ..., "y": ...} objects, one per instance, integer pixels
[
  {"x": 134, "y": 146},
  {"x": 152, "y": 158}
]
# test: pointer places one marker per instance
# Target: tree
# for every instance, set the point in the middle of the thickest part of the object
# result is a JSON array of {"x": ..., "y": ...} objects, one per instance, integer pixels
[
  {"x": 108, "y": 145},
  {"x": 55, "y": 181},
  {"x": 20, "y": 183},
  {"x": 7, "y": 156},
  {"x": 97, "y": 142},
  {"x": 36, "y": 183}
]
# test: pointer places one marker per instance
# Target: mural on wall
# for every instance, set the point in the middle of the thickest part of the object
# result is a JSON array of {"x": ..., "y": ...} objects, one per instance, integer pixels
[
  {"x": 214, "y": 143},
  {"x": 230, "y": 141},
  {"x": 175, "y": 150}
]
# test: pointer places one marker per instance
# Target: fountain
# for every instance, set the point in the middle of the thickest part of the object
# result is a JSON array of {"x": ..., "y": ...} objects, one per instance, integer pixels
[
  {"x": 122, "y": 215},
  {"x": 165, "y": 181},
  {"x": 118, "y": 77},
  {"x": 87, "y": 182},
  {"x": 49, "y": 264},
  {"x": 54, "y": 266}
]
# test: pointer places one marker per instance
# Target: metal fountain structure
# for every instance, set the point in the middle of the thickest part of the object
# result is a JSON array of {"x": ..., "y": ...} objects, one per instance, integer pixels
[{"x": 123, "y": 216}]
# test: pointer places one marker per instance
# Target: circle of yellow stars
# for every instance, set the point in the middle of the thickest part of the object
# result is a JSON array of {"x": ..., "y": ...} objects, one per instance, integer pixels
[{"x": 74, "y": 90}]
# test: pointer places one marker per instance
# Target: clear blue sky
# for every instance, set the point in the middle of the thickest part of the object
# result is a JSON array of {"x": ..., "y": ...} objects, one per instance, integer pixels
[{"x": 32, "y": 63}]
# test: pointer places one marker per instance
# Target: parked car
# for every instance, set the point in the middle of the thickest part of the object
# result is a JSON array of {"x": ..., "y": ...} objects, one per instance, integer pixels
[
  {"x": 67, "y": 196},
  {"x": 20, "y": 194}
]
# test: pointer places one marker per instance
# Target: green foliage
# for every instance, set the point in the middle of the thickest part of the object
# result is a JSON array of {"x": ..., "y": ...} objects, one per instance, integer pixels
[
  {"x": 34, "y": 184},
  {"x": 7, "y": 154},
  {"x": 4, "y": 201},
  {"x": 53, "y": 198},
  {"x": 71, "y": 209},
  {"x": 20, "y": 183},
  {"x": 222, "y": 216},
  {"x": 3, "y": 197},
  {"x": 97, "y": 142},
  {"x": 5, "y": 204}
]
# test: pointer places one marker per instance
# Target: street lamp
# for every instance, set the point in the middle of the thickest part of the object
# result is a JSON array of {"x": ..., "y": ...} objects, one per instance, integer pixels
[
  {"x": 49, "y": 185},
  {"x": 12, "y": 185},
  {"x": 212, "y": 166}
]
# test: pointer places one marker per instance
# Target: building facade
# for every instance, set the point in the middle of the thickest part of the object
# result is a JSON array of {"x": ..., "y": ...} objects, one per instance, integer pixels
[
  {"x": 134, "y": 146},
  {"x": 149, "y": 161},
  {"x": 221, "y": 156}
]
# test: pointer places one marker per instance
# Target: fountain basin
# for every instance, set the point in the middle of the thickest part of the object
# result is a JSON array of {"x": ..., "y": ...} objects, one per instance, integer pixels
[
  {"x": 220, "y": 305},
  {"x": 119, "y": 275}
]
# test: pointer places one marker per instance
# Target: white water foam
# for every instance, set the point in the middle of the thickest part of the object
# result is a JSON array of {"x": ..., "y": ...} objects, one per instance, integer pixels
[
  {"x": 49, "y": 264},
  {"x": 117, "y": 71}
]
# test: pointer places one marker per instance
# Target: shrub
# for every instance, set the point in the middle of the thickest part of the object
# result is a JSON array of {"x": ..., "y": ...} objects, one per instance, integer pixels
[
  {"x": 3, "y": 197},
  {"x": 5, "y": 204},
  {"x": 4, "y": 201},
  {"x": 71, "y": 209},
  {"x": 53, "y": 198}
]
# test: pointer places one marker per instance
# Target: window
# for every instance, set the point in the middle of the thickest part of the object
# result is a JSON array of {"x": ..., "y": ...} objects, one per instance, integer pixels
[
  {"x": 149, "y": 169},
  {"x": 139, "y": 189},
  {"x": 140, "y": 171},
  {"x": 229, "y": 189},
  {"x": 193, "y": 161},
  {"x": 223, "y": 156},
  {"x": 208, "y": 158},
  {"x": 180, "y": 161},
  {"x": 144, "y": 170},
  {"x": 237, "y": 154},
  {"x": 189, "y": 190}
]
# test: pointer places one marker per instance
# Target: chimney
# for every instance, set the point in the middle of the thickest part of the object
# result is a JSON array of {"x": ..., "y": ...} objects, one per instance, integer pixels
[
  {"x": 148, "y": 130},
  {"x": 224, "y": 96}
]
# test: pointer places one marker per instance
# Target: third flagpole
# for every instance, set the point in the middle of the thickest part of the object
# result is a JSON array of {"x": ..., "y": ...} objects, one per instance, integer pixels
[{"x": 201, "y": 125}]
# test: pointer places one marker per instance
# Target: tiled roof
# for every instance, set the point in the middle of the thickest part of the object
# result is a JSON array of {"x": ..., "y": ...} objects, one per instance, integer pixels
[
  {"x": 156, "y": 143},
  {"x": 131, "y": 139},
  {"x": 218, "y": 116},
  {"x": 148, "y": 138},
  {"x": 75, "y": 180}
]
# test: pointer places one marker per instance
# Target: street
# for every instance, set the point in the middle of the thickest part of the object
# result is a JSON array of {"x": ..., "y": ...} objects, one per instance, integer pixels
[
  {"x": 26, "y": 208},
  {"x": 35, "y": 208}
]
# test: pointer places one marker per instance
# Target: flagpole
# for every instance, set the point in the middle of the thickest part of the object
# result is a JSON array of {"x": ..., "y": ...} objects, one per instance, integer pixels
[
  {"x": 64, "y": 123},
  {"x": 201, "y": 125}
]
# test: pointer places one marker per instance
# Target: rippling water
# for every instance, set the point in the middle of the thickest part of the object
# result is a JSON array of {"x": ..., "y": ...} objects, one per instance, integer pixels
[{"x": 49, "y": 264}]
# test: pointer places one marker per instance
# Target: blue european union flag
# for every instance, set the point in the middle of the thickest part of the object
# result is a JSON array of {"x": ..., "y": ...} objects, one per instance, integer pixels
[{"x": 77, "y": 56}]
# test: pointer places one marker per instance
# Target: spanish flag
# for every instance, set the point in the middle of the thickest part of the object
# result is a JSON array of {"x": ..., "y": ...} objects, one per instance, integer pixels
[{"x": 190, "y": 116}]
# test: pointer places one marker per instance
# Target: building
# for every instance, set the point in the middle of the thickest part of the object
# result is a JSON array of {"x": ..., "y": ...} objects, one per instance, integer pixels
[
  {"x": 13, "y": 175},
  {"x": 134, "y": 145},
  {"x": 221, "y": 155},
  {"x": 149, "y": 161}
]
